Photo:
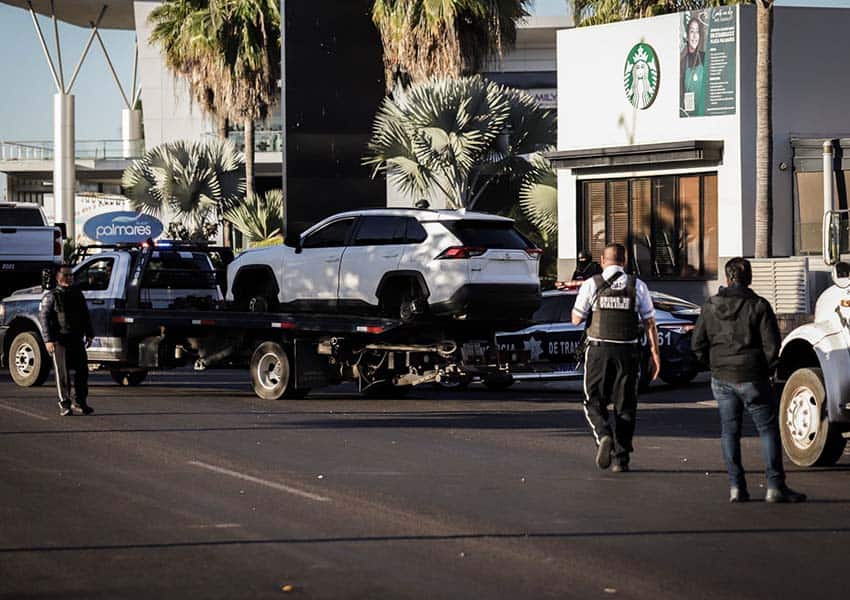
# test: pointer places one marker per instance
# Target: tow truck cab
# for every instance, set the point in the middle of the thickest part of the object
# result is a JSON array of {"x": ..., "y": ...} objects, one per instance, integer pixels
[
  {"x": 814, "y": 364},
  {"x": 176, "y": 276}
]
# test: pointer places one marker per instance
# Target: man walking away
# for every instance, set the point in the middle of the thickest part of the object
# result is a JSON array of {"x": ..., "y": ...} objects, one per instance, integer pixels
[
  {"x": 65, "y": 322},
  {"x": 737, "y": 335},
  {"x": 614, "y": 304}
]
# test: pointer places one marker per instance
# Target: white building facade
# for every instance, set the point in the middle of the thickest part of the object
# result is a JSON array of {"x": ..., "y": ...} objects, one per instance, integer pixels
[{"x": 657, "y": 131}]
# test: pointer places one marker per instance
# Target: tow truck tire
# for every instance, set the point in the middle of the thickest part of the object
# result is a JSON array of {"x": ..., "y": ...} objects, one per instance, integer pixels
[
  {"x": 271, "y": 373},
  {"x": 496, "y": 383},
  {"x": 29, "y": 362},
  {"x": 807, "y": 435},
  {"x": 128, "y": 378}
]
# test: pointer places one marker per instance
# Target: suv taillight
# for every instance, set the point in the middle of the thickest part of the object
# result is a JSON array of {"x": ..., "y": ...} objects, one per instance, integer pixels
[
  {"x": 461, "y": 252},
  {"x": 534, "y": 252},
  {"x": 57, "y": 242}
]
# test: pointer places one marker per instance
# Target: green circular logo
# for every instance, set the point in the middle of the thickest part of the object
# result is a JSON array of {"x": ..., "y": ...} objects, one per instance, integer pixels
[{"x": 641, "y": 76}]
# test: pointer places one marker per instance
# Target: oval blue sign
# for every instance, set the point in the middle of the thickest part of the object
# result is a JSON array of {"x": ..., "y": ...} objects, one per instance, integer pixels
[{"x": 122, "y": 226}]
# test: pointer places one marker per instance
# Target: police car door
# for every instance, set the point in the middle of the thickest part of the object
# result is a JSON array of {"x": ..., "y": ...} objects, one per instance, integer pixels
[{"x": 98, "y": 278}]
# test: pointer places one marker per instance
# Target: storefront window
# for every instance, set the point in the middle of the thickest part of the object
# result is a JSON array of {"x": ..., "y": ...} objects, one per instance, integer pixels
[
  {"x": 668, "y": 224},
  {"x": 809, "y": 191}
]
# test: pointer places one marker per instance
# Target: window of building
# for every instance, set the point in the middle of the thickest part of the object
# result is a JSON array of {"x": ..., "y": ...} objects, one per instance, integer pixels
[{"x": 668, "y": 224}]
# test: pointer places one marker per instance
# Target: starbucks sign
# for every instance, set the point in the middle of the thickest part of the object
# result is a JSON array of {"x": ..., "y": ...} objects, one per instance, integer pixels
[{"x": 641, "y": 76}]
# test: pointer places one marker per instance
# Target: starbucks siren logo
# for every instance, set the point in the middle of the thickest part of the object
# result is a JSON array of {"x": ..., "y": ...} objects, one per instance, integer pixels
[{"x": 640, "y": 77}]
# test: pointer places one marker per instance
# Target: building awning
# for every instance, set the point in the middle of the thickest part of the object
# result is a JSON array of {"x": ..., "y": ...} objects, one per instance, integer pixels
[
  {"x": 119, "y": 13},
  {"x": 639, "y": 155}
]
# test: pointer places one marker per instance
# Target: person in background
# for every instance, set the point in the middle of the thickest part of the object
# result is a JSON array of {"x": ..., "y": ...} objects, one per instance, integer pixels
[
  {"x": 585, "y": 269},
  {"x": 67, "y": 329},
  {"x": 738, "y": 337}
]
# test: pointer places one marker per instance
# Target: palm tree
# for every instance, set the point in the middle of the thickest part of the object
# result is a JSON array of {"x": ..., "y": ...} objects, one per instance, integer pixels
[
  {"x": 539, "y": 197},
  {"x": 764, "y": 129},
  {"x": 259, "y": 218},
  {"x": 449, "y": 38},
  {"x": 229, "y": 52},
  {"x": 456, "y": 136},
  {"x": 194, "y": 181}
]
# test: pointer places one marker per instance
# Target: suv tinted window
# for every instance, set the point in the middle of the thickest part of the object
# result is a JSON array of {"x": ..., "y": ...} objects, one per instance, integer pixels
[
  {"x": 179, "y": 271},
  {"x": 377, "y": 230},
  {"x": 20, "y": 217},
  {"x": 331, "y": 235},
  {"x": 488, "y": 234},
  {"x": 416, "y": 234}
]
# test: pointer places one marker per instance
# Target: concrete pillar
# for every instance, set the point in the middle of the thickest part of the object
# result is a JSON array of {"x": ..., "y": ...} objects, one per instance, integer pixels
[
  {"x": 131, "y": 133},
  {"x": 64, "y": 168}
]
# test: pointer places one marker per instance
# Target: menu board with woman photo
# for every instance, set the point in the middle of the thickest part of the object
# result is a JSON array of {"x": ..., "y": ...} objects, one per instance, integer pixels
[{"x": 707, "y": 73}]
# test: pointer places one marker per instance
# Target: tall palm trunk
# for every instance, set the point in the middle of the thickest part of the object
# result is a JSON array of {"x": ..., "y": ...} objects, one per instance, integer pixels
[
  {"x": 222, "y": 126},
  {"x": 764, "y": 129},
  {"x": 249, "y": 157}
]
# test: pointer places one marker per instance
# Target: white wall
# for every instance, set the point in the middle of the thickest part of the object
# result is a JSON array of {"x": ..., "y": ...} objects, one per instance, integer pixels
[
  {"x": 594, "y": 112},
  {"x": 168, "y": 113}
]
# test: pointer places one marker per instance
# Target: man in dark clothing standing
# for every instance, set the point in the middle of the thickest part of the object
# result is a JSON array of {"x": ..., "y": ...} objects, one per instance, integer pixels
[
  {"x": 737, "y": 335},
  {"x": 65, "y": 323}
]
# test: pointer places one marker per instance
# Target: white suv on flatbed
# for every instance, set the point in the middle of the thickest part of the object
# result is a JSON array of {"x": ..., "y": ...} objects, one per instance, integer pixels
[{"x": 395, "y": 262}]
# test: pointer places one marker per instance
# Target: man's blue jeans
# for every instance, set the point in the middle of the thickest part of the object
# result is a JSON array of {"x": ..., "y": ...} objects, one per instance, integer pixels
[{"x": 760, "y": 401}]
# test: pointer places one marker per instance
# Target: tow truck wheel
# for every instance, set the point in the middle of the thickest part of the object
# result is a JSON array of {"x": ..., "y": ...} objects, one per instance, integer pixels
[
  {"x": 29, "y": 362},
  {"x": 271, "y": 373},
  {"x": 498, "y": 381},
  {"x": 128, "y": 378},
  {"x": 807, "y": 436}
]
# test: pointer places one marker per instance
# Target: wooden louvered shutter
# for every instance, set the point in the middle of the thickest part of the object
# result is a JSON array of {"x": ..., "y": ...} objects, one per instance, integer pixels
[
  {"x": 618, "y": 212},
  {"x": 594, "y": 194},
  {"x": 640, "y": 250}
]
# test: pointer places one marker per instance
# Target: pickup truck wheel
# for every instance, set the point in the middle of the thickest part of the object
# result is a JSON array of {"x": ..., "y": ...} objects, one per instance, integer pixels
[
  {"x": 807, "y": 435},
  {"x": 271, "y": 373},
  {"x": 29, "y": 362},
  {"x": 128, "y": 378}
]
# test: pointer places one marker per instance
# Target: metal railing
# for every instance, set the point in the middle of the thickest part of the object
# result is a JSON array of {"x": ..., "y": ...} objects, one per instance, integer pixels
[
  {"x": 83, "y": 150},
  {"x": 268, "y": 140}
]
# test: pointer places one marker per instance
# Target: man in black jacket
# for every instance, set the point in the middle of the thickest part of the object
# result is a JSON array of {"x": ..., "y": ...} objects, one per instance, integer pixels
[
  {"x": 67, "y": 330},
  {"x": 737, "y": 335}
]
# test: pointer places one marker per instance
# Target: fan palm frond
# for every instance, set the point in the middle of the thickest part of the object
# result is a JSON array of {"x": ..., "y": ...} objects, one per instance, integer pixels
[{"x": 259, "y": 217}]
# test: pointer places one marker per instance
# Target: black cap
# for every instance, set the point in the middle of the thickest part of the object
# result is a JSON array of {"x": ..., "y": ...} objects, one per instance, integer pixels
[{"x": 584, "y": 256}]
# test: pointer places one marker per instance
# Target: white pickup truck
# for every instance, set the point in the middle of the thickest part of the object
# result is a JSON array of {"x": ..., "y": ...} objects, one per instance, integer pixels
[{"x": 28, "y": 245}]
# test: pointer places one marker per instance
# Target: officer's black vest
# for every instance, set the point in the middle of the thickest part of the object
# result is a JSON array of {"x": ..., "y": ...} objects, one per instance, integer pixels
[
  {"x": 65, "y": 307},
  {"x": 615, "y": 316}
]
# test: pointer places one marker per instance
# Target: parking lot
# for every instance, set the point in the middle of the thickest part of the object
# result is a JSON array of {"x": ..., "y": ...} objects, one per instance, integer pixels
[{"x": 190, "y": 485}]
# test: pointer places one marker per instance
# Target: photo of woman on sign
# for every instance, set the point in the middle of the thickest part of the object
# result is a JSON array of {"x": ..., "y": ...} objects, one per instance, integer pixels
[{"x": 693, "y": 75}]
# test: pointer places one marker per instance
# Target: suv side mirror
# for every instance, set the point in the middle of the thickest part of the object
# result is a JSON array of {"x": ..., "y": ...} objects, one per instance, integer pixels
[{"x": 293, "y": 240}]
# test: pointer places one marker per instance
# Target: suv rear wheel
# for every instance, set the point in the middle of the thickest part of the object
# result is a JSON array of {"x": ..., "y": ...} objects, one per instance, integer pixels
[{"x": 403, "y": 299}]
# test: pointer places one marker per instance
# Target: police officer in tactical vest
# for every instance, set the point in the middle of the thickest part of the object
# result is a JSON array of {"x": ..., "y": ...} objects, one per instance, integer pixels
[
  {"x": 615, "y": 305},
  {"x": 67, "y": 330}
]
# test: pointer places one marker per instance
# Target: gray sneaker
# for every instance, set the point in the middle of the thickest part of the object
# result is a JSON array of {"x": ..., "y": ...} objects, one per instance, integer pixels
[
  {"x": 737, "y": 494},
  {"x": 83, "y": 409},
  {"x": 65, "y": 411},
  {"x": 783, "y": 494},
  {"x": 603, "y": 453}
]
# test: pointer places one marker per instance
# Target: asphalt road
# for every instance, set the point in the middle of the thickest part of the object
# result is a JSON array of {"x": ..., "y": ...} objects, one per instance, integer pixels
[{"x": 189, "y": 486}]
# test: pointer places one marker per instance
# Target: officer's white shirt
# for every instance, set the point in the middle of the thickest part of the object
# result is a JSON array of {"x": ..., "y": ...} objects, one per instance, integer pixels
[{"x": 643, "y": 301}]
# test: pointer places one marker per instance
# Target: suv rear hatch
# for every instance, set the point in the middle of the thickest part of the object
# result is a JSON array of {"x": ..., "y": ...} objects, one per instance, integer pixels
[{"x": 496, "y": 251}]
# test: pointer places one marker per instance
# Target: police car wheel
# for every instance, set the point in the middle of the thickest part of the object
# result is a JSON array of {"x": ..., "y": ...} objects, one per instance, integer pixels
[
  {"x": 29, "y": 362},
  {"x": 809, "y": 439}
]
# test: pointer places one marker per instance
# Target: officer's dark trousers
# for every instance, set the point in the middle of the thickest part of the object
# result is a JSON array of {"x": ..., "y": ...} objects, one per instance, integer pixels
[
  {"x": 611, "y": 377},
  {"x": 70, "y": 355}
]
